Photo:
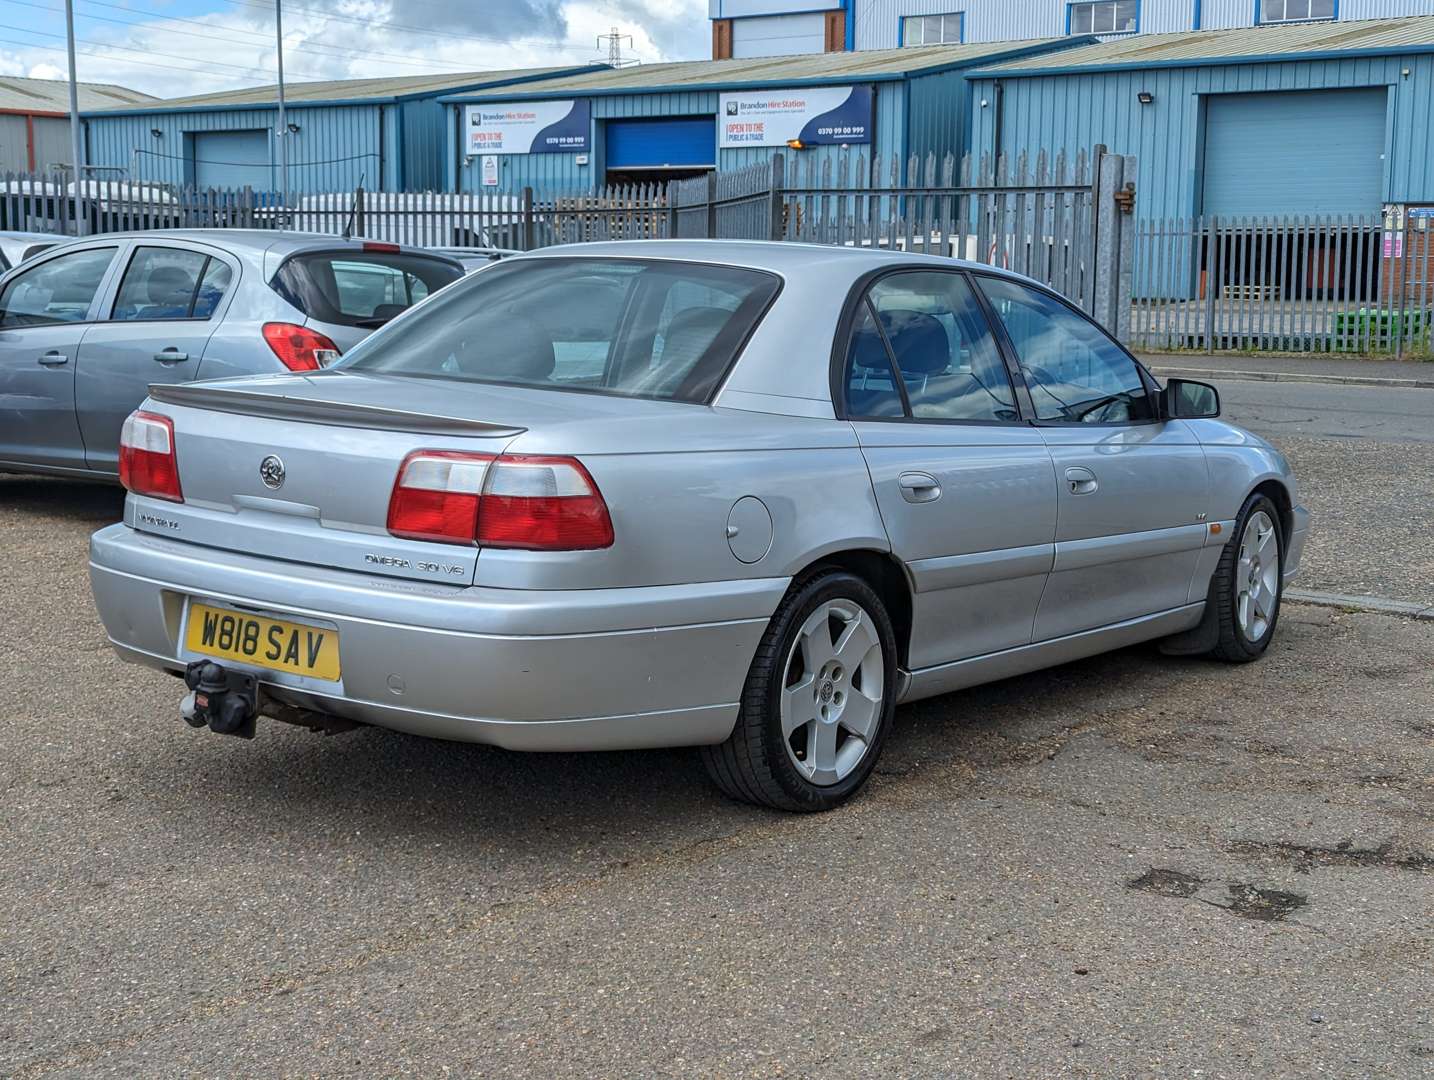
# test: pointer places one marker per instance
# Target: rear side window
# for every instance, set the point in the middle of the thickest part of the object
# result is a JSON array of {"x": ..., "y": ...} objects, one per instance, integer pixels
[
  {"x": 361, "y": 288},
  {"x": 60, "y": 290},
  {"x": 170, "y": 283},
  {"x": 634, "y": 327}
]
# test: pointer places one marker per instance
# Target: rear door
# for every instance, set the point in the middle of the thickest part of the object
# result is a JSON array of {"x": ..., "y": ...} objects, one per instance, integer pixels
[
  {"x": 169, "y": 300},
  {"x": 964, "y": 485},
  {"x": 45, "y": 313},
  {"x": 349, "y": 293},
  {"x": 1133, "y": 490}
]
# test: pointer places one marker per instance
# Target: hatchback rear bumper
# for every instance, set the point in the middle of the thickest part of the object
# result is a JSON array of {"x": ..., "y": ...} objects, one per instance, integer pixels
[{"x": 529, "y": 670}]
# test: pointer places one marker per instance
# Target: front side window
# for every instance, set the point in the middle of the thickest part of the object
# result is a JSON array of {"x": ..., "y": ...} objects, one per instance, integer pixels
[
  {"x": 1105, "y": 17},
  {"x": 632, "y": 327},
  {"x": 170, "y": 283},
  {"x": 1074, "y": 372},
  {"x": 943, "y": 29},
  {"x": 58, "y": 291},
  {"x": 927, "y": 330},
  {"x": 1273, "y": 11}
]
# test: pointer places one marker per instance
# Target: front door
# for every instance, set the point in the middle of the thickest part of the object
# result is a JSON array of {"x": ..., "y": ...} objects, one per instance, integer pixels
[
  {"x": 1134, "y": 490},
  {"x": 164, "y": 311},
  {"x": 45, "y": 312},
  {"x": 965, "y": 487}
]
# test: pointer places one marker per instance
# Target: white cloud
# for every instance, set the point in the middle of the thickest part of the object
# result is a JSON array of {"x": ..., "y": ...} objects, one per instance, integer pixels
[{"x": 234, "y": 48}]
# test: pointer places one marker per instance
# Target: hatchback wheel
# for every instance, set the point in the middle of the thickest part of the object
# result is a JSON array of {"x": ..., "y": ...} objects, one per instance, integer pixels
[
  {"x": 1248, "y": 583},
  {"x": 818, "y": 700}
]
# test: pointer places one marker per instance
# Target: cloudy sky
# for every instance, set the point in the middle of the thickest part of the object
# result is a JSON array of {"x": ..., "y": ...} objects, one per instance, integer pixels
[{"x": 173, "y": 48}]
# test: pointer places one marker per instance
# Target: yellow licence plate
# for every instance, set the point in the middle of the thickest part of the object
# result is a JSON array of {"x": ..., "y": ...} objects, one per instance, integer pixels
[{"x": 266, "y": 643}]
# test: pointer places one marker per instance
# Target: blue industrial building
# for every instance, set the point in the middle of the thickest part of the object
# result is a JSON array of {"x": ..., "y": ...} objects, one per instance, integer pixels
[
  {"x": 387, "y": 133},
  {"x": 1314, "y": 118},
  {"x": 659, "y": 122},
  {"x": 749, "y": 28}
]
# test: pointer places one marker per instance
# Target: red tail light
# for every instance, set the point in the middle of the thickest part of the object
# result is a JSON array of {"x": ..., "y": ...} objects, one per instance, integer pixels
[
  {"x": 299, "y": 348},
  {"x": 543, "y": 503},
  {"x": 518, "y": 501},
  {"x": 379, "y": 245},
  {"x": 436, "y": 496},
  {"x": 147, "y": 464}
]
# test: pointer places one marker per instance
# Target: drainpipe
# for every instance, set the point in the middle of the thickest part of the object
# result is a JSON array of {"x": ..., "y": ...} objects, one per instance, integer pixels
[{"x": 998, "y": 120}]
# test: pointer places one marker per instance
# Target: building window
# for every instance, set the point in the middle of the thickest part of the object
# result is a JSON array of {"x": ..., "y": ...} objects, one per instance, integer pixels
[
  {"x": 947, "y": 29},
  {"x": 1276, "y": 11},
  {"x": 1106, "y": 17}
]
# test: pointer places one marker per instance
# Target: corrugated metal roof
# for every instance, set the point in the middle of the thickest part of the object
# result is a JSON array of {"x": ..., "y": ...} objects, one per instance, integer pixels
[
  {"x": 53, "y": 95},
  {"x": 1287, "y": 42},
  {"x": 309, "y": 93},
  {"x": 809, "y": 67}
]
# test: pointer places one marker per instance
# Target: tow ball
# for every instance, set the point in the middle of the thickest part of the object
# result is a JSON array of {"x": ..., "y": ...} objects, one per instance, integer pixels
[{"x": 222, "y": 700}]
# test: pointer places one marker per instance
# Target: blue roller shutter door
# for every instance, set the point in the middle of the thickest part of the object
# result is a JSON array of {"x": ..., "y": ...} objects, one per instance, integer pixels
[
  {"x": 233, "y": 159},
  {"x": 1306, "y": 152},
  {"x": 685, "y": 142}
]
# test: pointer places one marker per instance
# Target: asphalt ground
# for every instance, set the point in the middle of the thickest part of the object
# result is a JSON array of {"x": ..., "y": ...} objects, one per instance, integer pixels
[
  {"x": 1132, "y": 866},
  {"x": 1364, "y": 458}
]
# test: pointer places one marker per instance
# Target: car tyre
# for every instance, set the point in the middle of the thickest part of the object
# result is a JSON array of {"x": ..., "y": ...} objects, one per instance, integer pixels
[
  {"x": 811, "y": 724},
  {"x": 1249, "y": 583}
]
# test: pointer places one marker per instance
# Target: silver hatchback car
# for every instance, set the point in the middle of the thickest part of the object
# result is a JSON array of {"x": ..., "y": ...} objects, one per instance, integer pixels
[
  {"x": 743, "y": 496},
  {"x": 86, "y": 327}
]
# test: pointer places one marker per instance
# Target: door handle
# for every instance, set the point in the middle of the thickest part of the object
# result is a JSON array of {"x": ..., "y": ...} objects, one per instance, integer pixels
[
  {"x": 170, "y": 355},
  {"x": 1081, "y": 480},
  {"x": 919, "y": 487},
  {"x": 54, "y": 359}
]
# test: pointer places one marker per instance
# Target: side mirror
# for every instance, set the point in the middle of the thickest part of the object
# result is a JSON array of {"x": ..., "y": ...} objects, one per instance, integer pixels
[{"x": 1183, "y": 399}]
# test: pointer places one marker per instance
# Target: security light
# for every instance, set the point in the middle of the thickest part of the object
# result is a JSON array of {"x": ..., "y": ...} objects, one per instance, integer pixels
[
  {"x": 1145, "y": 97},
  {"x": 293, "y": 129},
  {"x": 156, "y": 133}
]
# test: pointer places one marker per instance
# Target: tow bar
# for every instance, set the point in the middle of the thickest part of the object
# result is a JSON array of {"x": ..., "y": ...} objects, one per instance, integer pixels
[
  {"x": 224, "y": 701},
  {"x": 229, "y": 702}
]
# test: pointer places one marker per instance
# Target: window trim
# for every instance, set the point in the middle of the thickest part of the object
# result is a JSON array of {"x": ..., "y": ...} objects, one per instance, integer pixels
[
  {"x": 60, "y": 251},
  {"x": 108, "y": 318},
  {"x": 1071, "y": 5},
  {"x": 1009, "y": 346},
  {"x": 901, "y": 39},
  {"x": 1261, "y": 20},
  {"x": 841, "y": 348}
]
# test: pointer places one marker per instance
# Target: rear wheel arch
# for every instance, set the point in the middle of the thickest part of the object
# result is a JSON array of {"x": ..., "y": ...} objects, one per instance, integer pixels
[{"x": 888, "y": 578}]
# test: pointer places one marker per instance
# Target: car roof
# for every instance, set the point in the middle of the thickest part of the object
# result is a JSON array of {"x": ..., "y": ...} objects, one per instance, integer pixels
[
  {"x": 777, "y": 256},
  {"x": 276, "y": 241}
]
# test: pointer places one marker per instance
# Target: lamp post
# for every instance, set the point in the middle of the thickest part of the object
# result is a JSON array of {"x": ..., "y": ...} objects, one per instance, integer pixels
[
  {"x": 282, "y": 129},
  {"x": 76, "y": 143}
]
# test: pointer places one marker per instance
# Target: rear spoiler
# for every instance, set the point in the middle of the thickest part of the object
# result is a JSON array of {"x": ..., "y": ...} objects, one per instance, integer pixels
[{"x": 307, "y": 410}]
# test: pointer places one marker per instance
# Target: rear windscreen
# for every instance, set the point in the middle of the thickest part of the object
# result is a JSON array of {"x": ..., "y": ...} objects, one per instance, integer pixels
[
  {"x": 635, "y": 327},
  {"x": 361, "y": 288}
]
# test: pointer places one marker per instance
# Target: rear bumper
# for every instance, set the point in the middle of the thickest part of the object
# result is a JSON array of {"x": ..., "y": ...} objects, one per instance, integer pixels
[{"x": 528, "y": 670}]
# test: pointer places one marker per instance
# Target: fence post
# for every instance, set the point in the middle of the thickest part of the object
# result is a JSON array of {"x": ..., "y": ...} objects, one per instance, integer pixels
[
  {"x": 360, "y": 212},
  {"x": 711, "y": 233},
  {"x": 1105, "y": 270},
  {"x": 777, "y": 198},
  {"x": 529, "y": 229},
  {"x": 672, "y": 209}
]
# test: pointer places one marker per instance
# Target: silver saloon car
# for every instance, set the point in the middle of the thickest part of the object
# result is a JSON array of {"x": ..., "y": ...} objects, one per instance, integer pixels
[
  {"x": 87, "y": 327},
  {"x": 742, "y": 496}
]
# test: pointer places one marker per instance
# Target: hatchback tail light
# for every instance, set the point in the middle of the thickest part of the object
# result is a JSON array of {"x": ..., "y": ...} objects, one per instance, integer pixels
[
  {"x": 511, "y": 501},
  {"x": 299, "y": 348},
  {"x": 147, "y": 463}
]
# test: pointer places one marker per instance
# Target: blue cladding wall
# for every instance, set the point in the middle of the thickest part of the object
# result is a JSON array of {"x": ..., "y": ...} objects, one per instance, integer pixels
[
  {"x": 335, "y": 145},
  {"x": 1076, "y": 111},
  {"x": 559, "y": 174}
]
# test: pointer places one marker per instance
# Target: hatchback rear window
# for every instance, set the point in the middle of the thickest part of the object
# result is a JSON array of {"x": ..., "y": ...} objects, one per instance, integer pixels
[
  {"x": 634, "y": 327},
  {"x": 361, "y": 288}
]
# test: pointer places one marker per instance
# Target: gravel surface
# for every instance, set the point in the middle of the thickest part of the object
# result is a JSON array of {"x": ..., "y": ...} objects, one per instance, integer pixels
[{"x": 1128, "y": 867}]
